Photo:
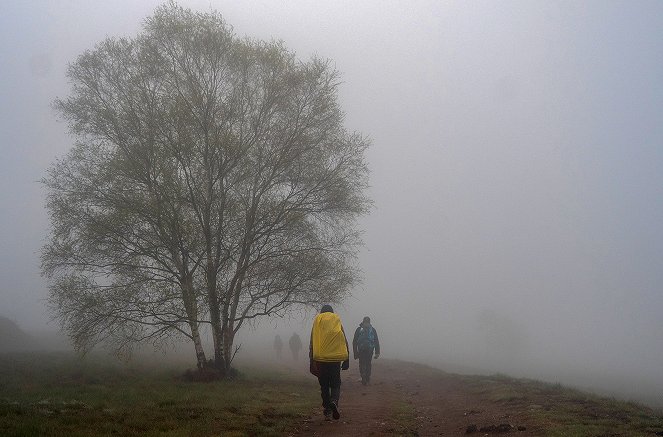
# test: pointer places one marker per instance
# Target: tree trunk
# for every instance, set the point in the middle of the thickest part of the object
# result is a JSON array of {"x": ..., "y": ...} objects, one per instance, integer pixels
[
  {"x": 191, "y": 308},
  {"x": 213, "y": 305},
  {"x": 201, "y": 361},
  {"x": 228, "y": 339},
  {"x": 217, "y": 331}
]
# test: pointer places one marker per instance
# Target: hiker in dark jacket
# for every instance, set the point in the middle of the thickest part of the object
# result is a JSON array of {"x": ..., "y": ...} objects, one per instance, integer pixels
[
  {"x": 364, "y": 343},
  {"x": 295, "y": 345},
  {"x": 278, "y": 346}
]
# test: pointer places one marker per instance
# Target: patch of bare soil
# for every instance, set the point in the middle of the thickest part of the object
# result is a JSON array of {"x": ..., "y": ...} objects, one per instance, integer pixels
[{"x": 410, "y": 399}]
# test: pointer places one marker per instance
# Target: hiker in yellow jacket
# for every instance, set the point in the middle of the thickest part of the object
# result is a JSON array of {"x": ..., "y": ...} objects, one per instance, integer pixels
[{"x": 328, "y": 351}]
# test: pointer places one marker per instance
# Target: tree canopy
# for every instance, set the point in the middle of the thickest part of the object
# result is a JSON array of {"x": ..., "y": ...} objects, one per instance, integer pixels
[{"x": 211, "y": 182}]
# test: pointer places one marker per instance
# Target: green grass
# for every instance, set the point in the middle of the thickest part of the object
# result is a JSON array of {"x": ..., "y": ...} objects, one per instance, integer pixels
[
  {"x": 403, "y": 415},
  {"x": 57, "y": 394},
  {"x": 566, "y": 412}
]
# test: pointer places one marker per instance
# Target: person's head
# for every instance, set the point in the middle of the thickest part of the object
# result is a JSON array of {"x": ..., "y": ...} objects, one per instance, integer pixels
[
  {"x": 327, "y": 309},
  {"x": 366, "y": 321}
]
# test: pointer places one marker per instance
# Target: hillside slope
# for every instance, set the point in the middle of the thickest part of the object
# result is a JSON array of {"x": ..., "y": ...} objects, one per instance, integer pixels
[
  {"x": 411, "y": 399},
  {"x": 13, "y": 338}
]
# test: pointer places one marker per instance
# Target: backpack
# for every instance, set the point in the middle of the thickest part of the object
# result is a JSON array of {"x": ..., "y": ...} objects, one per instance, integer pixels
[
  {"x": 328, "y": 339},
  {"x": 366, "y": 339}
]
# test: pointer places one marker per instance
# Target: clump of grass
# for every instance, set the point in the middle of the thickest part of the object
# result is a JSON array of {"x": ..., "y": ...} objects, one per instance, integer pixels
[
  {"x": 403, "y": 417},
  {"x": 566, "y": 411},
  {"x": 57, "y": 394}
]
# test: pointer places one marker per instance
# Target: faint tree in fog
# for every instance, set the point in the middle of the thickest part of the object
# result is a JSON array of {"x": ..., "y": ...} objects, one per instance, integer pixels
[{"x": 211, "y": 183}]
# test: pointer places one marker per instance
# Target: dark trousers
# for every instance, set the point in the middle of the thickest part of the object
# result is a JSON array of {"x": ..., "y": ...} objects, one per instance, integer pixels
[
  {"x": 365, "y": 360},
  {"x": 330, "y": 383}
]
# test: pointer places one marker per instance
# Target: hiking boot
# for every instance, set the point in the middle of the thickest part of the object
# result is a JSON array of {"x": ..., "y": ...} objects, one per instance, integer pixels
[
  {"x": 335, "y": 412},
  {"x": 327, "y": 414}
]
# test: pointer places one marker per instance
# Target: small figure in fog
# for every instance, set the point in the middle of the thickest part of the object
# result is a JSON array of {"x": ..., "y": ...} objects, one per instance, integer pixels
[
  {"x": 328, "y": 351},
  {"x": 295, "y": 346},
  {"x": 278, "y": 346},
  {"x": 364, "y": 343}
]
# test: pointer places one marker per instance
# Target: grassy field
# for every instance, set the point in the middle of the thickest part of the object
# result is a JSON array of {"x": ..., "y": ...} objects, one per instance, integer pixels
[
  {"x": 56, "y": 394},
  {"x": 565, "y": 412}
]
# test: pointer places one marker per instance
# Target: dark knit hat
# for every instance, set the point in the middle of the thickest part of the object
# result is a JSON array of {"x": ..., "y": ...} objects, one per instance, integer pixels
[{"x": 327, "y": 309}]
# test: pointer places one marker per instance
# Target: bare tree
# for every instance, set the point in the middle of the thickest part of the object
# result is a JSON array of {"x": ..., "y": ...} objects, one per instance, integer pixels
[{"x": 212, "y": 183}]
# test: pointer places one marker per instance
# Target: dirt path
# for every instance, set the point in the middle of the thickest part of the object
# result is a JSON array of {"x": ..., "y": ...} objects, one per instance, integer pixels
[{"x": 410, "y": 399}]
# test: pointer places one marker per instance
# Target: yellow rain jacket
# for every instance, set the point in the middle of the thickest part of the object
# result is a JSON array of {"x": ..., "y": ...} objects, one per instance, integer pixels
[{"x": 328, "y": 339}]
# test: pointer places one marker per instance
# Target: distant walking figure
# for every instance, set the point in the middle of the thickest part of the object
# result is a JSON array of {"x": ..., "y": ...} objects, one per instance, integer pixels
[
  {"x": 328, "y": 348},
  {"x": 278, "y": 346},
  {"x": 295, "y": 345},
  {"x": 364, "y": 343}
]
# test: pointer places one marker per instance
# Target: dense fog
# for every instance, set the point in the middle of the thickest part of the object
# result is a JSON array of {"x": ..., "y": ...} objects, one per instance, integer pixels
[{"x": 516, "y": 169}]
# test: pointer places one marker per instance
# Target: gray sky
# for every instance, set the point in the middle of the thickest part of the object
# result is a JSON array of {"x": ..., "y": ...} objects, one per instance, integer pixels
[{"x": 517, "y": 167}]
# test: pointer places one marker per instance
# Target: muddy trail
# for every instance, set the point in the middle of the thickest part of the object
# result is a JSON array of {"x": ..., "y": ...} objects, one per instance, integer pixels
[{"x": 410, "y": 399}]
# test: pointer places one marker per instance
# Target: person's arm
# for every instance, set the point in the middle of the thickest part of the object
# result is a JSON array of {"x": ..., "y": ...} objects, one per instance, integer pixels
[
  {"x": 310, "y": 345},
  {"x": 355, "y": 352},
  {"x": 346, "y": 363},
  {"x": 377, "y": 343}
]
